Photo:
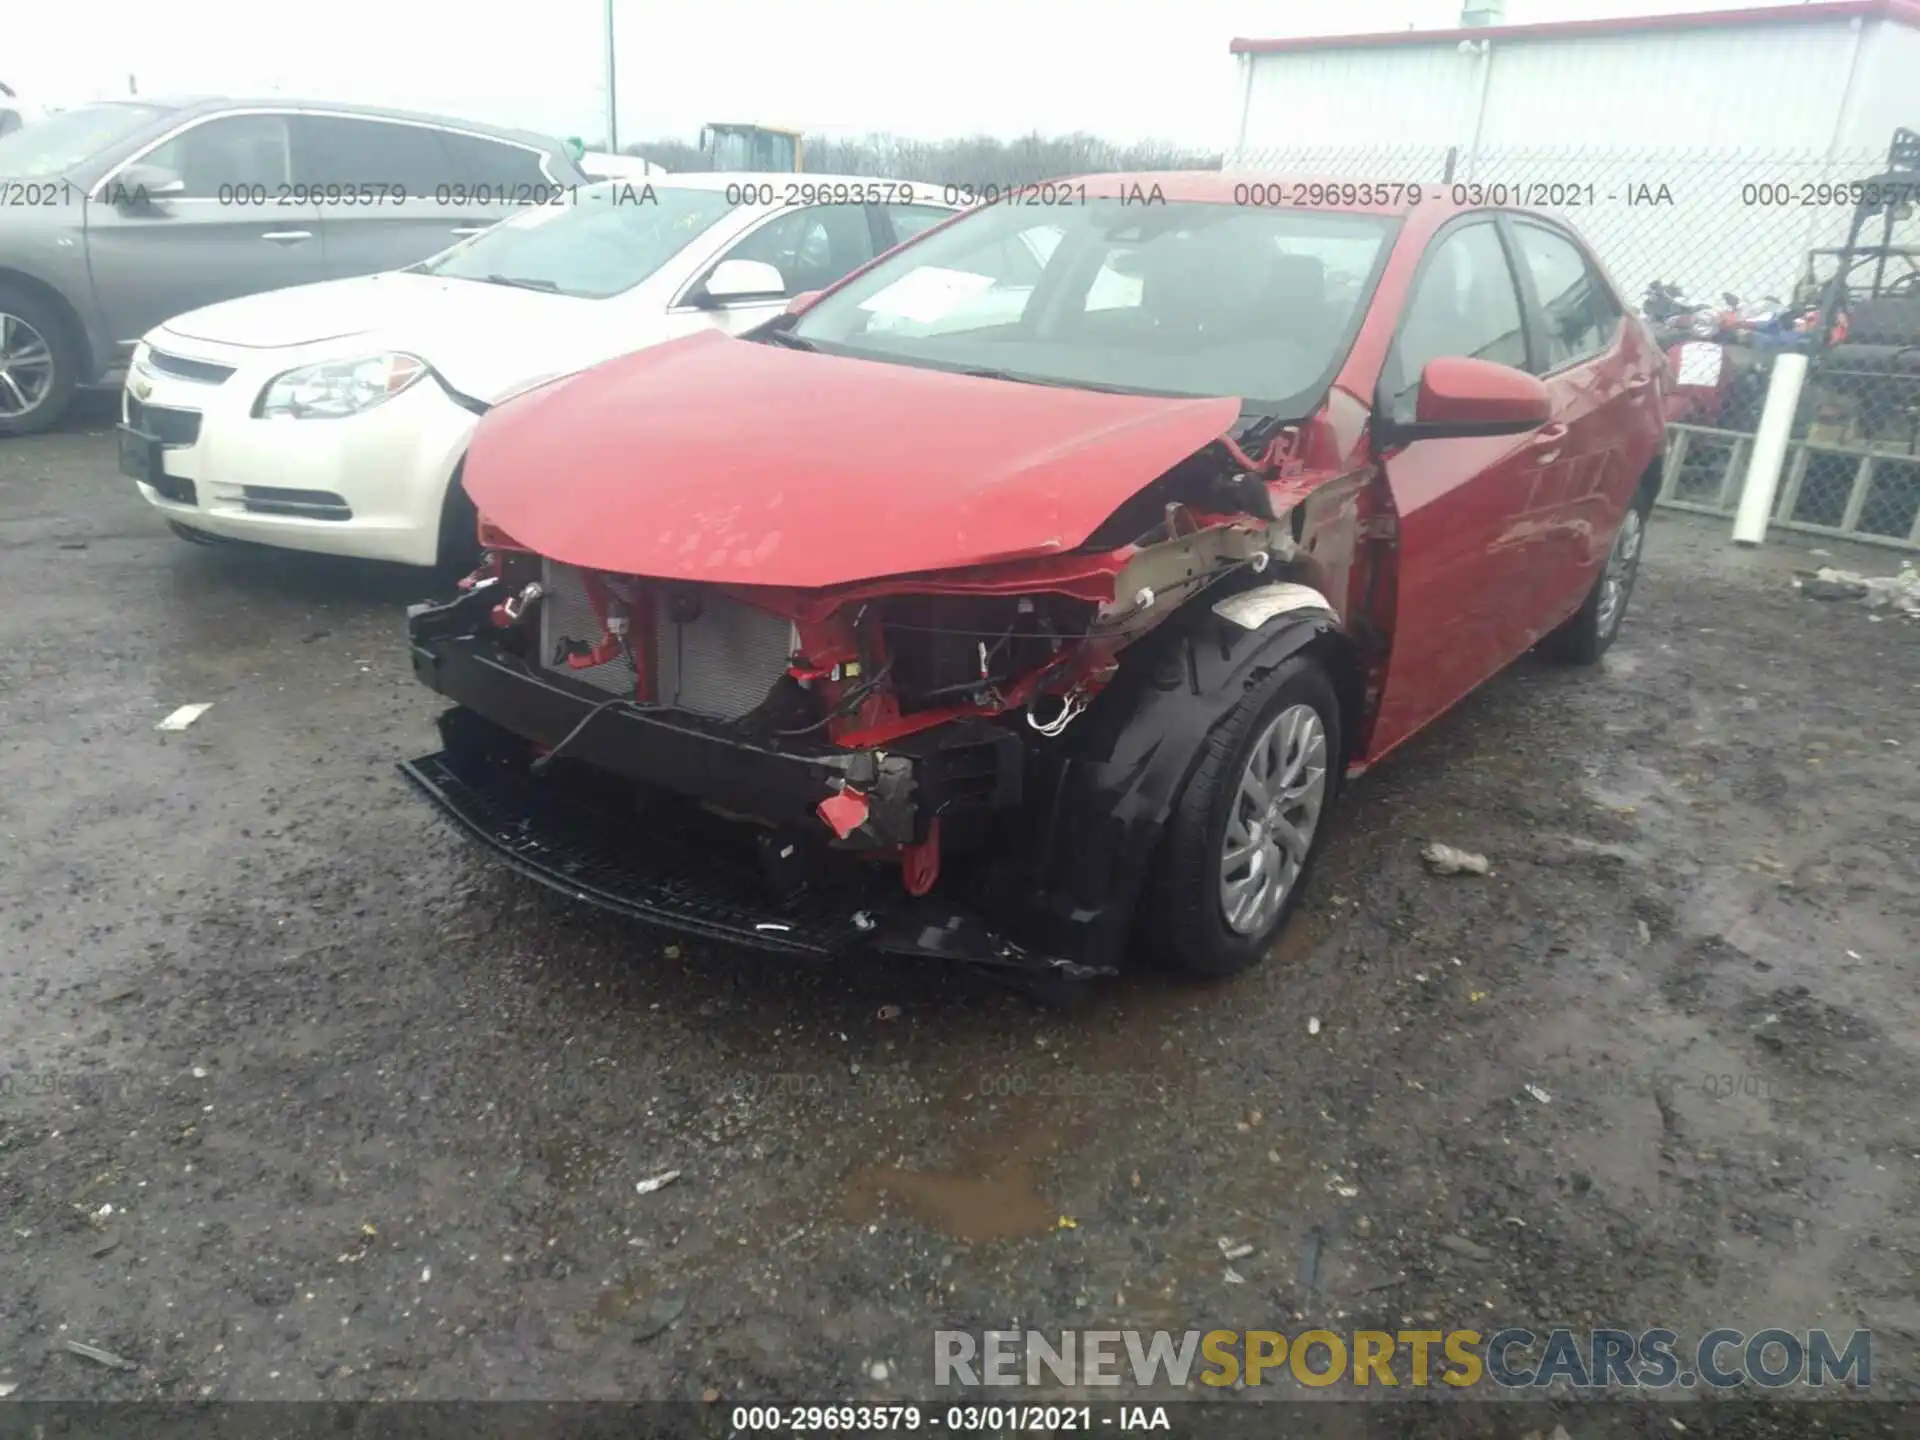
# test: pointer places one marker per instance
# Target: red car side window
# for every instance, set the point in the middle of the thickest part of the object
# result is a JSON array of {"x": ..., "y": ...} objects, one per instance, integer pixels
[
  {"x": 1581, "y": 315},
  {"x": 1464, "y": 303}
]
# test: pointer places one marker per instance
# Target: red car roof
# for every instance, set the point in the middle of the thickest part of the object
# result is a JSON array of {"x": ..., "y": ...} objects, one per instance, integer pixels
[{"x": 1373, "y": 194}]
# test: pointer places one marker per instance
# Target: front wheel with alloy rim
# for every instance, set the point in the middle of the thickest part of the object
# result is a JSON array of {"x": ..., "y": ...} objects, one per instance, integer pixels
[
  {"x": 36, "y": 363},
  {"x": 1586, "y": 636},
  {"x": 1244, "y": 837}
]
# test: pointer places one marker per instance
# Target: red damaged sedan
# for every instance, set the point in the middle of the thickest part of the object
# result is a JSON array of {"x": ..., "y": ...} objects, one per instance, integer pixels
[{"x": 1023, "y": 600}]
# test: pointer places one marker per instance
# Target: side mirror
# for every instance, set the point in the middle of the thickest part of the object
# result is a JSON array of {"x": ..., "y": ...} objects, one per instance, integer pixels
[
  {"x": 743, "y": 280},
  {"x": 803, "y": 302},
  {"x": 139, "y": 185},
  {"x": 1461, "y": 397}
]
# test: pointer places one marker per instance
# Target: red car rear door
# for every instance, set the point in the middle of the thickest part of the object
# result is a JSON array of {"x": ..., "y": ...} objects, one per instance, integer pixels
[
  {"x": 1466, "y": 540},
  {"x": 1600, "y": 374}
]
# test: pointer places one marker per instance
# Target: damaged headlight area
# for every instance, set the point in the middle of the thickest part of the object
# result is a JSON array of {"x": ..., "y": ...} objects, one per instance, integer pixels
[
  {"x": 975, "y": 651},
  {"x": 783, "y": 668},
  {"x": 336, "y": 389}
]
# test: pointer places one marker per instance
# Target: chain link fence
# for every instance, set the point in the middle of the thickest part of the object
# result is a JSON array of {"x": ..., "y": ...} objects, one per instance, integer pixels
[{"x": 1736, "y": 257}]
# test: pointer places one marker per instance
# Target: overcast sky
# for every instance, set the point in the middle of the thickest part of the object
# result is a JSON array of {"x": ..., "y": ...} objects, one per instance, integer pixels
[{"x": 925, "y": 68}]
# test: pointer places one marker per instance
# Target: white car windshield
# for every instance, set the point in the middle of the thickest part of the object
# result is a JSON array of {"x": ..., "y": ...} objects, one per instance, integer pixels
[
  {"x": 61, "y": 141},
  {"x": 1172, "y": 299},
  {"x": 607, "y": 239}
]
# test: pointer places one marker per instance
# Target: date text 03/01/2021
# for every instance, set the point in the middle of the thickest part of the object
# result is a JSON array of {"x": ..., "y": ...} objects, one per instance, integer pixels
[{"x": 953, "y": 1419}]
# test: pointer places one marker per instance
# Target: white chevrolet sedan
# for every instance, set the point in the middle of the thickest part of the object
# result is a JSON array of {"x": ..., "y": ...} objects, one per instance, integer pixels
[{"x": 334, "y": 417}]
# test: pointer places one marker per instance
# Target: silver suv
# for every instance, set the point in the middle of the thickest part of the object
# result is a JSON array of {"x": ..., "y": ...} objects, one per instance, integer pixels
[{"x": 117, "y": 216}]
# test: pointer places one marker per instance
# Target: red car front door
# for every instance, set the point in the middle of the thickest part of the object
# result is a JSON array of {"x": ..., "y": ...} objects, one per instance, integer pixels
[
  {"x": 1467, "y": 540},
  {"x": 1600, "y": 374}
]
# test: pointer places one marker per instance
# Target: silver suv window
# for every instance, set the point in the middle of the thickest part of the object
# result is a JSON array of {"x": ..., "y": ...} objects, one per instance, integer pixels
[
  {"x": 59, "y": 142},
  {"x": 347, "y": 150},
  {"x": 227, "y": 150},
  {"x": 492, "y": 164}
]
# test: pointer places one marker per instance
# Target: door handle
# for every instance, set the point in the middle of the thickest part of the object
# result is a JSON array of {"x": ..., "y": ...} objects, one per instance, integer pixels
[
  {"x": 287, "y": 237},
  {"x": 1546, "y": 444},
  {"x": 468, "y": 229}
]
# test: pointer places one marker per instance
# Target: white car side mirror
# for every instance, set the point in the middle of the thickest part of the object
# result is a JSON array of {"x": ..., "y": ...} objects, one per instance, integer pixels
[{"x": 744, "y": 280}]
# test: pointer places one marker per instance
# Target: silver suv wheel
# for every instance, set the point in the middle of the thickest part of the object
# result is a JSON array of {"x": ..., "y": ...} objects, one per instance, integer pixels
[{"x": 26, "y": 367}]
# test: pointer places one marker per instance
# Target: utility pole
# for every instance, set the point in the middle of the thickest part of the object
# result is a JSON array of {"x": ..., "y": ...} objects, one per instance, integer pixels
[{"x": 613, "y": 93}]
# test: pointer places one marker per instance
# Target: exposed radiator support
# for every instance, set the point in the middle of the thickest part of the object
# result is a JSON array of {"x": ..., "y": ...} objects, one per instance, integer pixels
[{"x": 709, "y": 655}]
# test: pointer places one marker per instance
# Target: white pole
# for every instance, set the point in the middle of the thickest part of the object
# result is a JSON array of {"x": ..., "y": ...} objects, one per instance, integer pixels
[
  {"x": 1480, "y": 105},
  {"x": 1238, "y": 161},
  {"x": 613, "y": 105},
  {"x": 1769, "y": 449}
]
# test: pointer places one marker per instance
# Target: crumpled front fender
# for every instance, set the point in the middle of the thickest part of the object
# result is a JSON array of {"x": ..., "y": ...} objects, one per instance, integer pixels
[{"x": 1120, "y": 771}]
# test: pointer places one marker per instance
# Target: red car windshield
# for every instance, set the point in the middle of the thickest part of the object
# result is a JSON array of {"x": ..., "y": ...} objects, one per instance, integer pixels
[{"x": 1168, "y": 299}]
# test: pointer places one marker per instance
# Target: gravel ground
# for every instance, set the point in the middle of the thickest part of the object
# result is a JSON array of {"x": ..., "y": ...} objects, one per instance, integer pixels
[{"x": 305, "y": 1098}]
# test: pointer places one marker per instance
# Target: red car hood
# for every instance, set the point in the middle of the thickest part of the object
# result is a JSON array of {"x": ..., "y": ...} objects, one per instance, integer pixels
[{"x": 717, "y": 459}]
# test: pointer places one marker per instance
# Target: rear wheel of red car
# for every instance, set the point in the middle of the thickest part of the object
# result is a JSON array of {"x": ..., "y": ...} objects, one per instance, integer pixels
[
  {"x": 1592, "y": 629},
  {"x": 1243, "y": 840}
]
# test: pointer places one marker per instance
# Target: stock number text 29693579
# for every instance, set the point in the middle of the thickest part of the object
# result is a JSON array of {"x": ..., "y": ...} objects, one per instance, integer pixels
[
  {"x": 1308, "y": 194},
  {"x": 381, "y": 192}
]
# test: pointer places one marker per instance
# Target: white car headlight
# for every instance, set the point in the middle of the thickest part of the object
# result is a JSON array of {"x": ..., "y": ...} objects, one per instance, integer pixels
[{"x": 338, "y": 388}]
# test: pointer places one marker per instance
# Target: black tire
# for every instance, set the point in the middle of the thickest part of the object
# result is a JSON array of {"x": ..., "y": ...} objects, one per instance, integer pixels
[
  {"x": 1590, "y": 631},
  {"x": 459, "y": 546},
  {"x": 1187, "y": 923},
  {"x": 47, "y": 322}
]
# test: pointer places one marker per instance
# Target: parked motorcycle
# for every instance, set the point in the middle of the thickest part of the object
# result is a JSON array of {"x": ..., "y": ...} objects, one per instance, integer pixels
[
  {"x": 1675, "y": 318},
  {"x": 1724, "y": 362},
  {"x": 1699, "y": 375},
  {"x": 1768, "y": 324},
  {"x": 1663, "y": 302}
]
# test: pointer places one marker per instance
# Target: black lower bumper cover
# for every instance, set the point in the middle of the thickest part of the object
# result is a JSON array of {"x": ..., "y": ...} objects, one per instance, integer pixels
[
  {"x": 658, "y": 873},
  {"x": 664, "y": 751}
]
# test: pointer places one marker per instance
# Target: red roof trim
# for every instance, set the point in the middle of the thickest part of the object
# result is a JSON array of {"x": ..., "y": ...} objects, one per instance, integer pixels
[{"x": 1903, "y": 12}]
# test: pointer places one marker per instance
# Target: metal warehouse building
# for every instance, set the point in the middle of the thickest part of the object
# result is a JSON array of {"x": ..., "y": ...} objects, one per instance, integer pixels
[{"x": 1695, "y": 148}]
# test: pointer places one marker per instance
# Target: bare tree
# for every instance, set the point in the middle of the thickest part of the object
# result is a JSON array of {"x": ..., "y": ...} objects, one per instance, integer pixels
[
  {"x": 669, "y": 155},
  {"x": 978, "y": 160}
]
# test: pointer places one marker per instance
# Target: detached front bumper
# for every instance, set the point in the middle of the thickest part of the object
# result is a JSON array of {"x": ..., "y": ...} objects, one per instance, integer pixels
[
  {"x": 641, "y": 868},
  {"x": 673, "y": 872},
  {"x": 670, "y": 862}
]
